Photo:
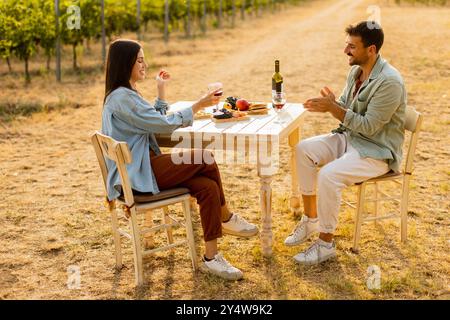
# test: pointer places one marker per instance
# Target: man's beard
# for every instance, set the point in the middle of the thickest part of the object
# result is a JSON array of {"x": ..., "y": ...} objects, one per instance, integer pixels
[{"x": 357, "y": 62}]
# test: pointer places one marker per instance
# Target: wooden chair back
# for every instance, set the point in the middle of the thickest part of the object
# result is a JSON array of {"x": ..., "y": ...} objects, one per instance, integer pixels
[
  {"x": 108, "y": 148},
  {"x": 413, "y": 124}
]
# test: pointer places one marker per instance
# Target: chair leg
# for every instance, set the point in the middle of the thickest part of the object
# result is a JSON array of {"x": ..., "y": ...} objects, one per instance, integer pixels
[
  {"x": 167, "y": 220},
  {"x": 116, "y": 235},
  {"x": 190, "y": 233},
  {"x": 404, "y": 207},
  {"x": 378, "y": 205},
  {"x": 137, "y": 248},
  {"x": 359, "y": 216},
  {"x": 148, "y": 223}
]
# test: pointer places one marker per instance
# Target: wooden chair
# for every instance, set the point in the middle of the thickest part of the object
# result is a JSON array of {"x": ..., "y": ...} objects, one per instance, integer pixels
[
  {"x": 134, "y": 203},
  {"x": 412, "y": 124}
]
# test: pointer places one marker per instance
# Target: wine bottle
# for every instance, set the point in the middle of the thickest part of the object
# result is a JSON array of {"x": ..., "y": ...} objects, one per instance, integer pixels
[{"x": 277, "y": 79}]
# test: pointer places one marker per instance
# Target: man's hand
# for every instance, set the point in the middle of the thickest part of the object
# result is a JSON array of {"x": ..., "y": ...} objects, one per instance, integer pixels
[
  {"x": 319, "y": 104},
  {"x": 327, "y": 103},
  {"x": 326, "y": 92},
  {"x": 323, "y": 104}
]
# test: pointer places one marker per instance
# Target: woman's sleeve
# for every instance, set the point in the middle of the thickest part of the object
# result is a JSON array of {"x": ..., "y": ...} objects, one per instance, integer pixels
[
  {"x": 143, "y": 116},
  {"x": 161, "y": 106}
]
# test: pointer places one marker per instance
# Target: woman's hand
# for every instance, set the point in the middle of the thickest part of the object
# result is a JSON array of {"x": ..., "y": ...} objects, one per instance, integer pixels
[
  {"x": 207, "y": 100},
  {"x": 162, "y": 77},
  {"x": 161, "y": 80}
]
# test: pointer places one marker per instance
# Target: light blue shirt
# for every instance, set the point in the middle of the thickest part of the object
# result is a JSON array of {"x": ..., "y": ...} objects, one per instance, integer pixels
[
  {"x": 129, "y": 118},
  {"x": 375, "y": 118}
]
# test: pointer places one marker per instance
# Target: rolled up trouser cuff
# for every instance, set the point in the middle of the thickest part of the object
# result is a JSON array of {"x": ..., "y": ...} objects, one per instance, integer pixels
[
  {"x": 327, "y": 229},
  {"x": 308, "y": 192}
]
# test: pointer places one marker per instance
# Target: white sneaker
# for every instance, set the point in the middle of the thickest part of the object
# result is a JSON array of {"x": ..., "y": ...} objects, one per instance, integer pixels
[
  {"x": 238, "y": 226},
  {"x": 302, "y": 232},
  {"x": 318, "y": 252},
  {"x": 222, "y": 268}
]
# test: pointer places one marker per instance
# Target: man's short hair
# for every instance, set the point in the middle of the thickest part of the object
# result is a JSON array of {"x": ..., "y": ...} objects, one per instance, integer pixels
[{"x": 370, "y": 32}]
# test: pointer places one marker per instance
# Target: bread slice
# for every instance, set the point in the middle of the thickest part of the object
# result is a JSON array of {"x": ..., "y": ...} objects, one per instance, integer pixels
[
  {"x": 257, "y": 106},
  {"x": 258, "y": 112}
]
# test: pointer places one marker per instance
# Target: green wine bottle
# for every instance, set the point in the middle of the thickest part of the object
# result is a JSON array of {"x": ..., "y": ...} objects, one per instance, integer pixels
[{"x": 277, "y": 79}]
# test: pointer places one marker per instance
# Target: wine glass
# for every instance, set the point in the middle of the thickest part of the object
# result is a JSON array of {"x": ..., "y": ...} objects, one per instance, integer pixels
[
  {"x": 278, "y": 102},
  {"x": 216, "y": 86}
]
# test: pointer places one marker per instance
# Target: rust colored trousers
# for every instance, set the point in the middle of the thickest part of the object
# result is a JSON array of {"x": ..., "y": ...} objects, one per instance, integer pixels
[{"x": 202, "y": 180}]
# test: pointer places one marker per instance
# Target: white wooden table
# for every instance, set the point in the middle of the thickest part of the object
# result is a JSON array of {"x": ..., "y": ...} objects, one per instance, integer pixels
[{"x": 255, "y": 140}]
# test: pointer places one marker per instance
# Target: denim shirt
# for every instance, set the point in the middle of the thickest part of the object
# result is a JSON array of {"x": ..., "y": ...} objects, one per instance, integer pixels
[
  {"x": 375, "y": 117},
  {"x": 129, "y": 118}
]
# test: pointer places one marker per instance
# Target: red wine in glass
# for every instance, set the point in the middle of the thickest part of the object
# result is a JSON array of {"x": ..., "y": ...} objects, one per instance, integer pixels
[
  {"x": 216, "y": 86},
  {"x": 278, "y": 100},
  {"x": 278, "y": 106}
]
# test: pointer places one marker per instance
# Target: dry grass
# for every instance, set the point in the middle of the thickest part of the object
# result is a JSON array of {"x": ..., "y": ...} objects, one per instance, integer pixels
[{"x": 52, "y": 215}]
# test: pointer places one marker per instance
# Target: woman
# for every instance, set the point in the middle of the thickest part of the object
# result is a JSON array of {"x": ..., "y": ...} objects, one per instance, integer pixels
[{"x": 128, "y": 117}]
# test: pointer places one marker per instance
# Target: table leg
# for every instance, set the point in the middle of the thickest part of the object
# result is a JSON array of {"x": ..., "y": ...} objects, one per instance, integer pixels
[
  {"x": 265, "y": 199},
  {"x": 294, "y": 138}
]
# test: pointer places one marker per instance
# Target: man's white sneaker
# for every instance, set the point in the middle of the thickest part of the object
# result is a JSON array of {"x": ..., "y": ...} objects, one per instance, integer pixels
[
  {"x": 238, "y": 226},
  {"x": 221, "y": 268},
  {"x": 318, "y": 252},
  {"x": 302, "y": 232}
]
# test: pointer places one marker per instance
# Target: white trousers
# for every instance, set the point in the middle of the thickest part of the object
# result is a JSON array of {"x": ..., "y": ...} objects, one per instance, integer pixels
[{"x": 341, "y": 166}]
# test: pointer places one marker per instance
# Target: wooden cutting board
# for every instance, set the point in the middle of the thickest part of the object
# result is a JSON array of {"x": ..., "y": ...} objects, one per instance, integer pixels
[
  {"x": 230, "y": 119},
  {"x": 202, "y": 116}
]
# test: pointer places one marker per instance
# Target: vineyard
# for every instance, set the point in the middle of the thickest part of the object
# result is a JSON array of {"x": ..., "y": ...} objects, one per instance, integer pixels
[{"x": 28, "y": 27}]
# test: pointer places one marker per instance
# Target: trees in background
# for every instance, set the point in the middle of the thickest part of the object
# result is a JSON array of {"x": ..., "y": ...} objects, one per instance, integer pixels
[{"x": 28, "y": 26}]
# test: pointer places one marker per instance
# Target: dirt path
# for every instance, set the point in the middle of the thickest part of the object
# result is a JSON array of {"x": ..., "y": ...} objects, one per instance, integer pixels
[{"x": 52, "y": 214}]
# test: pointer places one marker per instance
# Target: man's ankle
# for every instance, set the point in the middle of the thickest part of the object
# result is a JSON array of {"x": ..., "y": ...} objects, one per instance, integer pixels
[
  {"x": 327, "y": 237},
  {"x": 311, "y": 217},
  {"x": 327, "y": 244}
]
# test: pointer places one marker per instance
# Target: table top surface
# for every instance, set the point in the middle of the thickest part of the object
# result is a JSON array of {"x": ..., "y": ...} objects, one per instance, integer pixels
[{"x": 275, "y": 124}]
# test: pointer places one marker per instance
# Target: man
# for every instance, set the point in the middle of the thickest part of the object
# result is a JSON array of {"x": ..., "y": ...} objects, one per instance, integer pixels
[{"x": 367, "y": 144}]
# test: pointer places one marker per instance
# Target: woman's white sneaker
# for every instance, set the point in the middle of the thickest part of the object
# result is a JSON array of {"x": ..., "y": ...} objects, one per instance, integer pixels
[
  {"x": 220, "y": 267},
  {"x": 238, "y": 226},
  {"x": 318, "y": 252},
  {"x": 303, "y": 231}
]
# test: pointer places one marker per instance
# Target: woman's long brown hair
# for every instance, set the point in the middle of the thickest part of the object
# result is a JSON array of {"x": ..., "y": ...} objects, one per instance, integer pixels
[{"x": 122, "y": 56}]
